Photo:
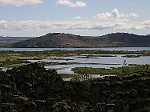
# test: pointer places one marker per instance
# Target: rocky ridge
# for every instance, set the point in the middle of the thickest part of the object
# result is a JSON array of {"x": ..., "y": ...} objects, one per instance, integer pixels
[{"x": 62, "y": 40}]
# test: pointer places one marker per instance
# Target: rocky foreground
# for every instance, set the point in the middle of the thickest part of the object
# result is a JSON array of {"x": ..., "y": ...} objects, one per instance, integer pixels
[{"x": 32, "y": 88}]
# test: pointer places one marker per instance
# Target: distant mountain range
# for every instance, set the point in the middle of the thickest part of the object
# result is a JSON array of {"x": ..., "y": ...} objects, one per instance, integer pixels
[
  {"x": 13, "y": 39},
  {"x": 7, "y": 41},
  {"x": 70, "y": 40},
  {"x": 60, "y": 40}
]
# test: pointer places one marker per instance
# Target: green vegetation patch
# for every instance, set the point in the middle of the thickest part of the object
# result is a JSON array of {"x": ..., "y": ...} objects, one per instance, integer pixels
[{"x": 125, "y": 70}]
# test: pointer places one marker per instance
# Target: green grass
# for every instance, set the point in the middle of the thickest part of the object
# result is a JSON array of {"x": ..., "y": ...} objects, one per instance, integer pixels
[{"x": 125, "y": 70}]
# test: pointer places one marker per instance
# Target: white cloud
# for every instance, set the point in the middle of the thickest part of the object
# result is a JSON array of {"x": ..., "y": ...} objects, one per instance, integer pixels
[
  {"x": 29, "y": 25},
  {"x": 71, "y": 4},
  {"x": 146, "y": 24},
  {"x": 20, "y": 2},
  {"x": 122, "y": 20},
  {"x": 3, "y": 24},
  {"x": 77, "y": 18},
  {"x": 128, "y": 26},
  {"x": 115, "y": 14}
]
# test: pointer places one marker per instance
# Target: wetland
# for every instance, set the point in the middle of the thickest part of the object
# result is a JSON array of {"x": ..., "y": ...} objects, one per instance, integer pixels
[
  {"x": 75, "y": 81},
  {"x": 67, "y": 61}
]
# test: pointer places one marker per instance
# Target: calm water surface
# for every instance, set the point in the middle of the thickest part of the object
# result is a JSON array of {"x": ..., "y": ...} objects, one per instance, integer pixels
[{"x": 102, "y": 48}]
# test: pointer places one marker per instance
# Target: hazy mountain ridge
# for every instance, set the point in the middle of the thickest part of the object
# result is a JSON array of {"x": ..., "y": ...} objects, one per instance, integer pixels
[
  {"x": 7, "y": 41},
  {"x": 70, "y": 40},
  {"x": 13, "y": 39}
]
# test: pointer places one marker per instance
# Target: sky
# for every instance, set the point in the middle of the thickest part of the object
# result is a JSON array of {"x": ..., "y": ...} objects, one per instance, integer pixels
[{"x": 82, "y": 17}]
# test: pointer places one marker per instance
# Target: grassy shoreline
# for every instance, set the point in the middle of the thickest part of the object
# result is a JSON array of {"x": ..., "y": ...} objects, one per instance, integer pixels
[{"x": 120, "y": 71}]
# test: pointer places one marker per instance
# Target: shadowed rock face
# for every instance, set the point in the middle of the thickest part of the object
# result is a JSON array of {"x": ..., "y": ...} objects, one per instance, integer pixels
[{"x": 32, "y": 88}]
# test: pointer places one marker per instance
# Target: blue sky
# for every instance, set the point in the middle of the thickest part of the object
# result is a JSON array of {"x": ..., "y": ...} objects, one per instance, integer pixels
[{"x": 83, "y": 17}]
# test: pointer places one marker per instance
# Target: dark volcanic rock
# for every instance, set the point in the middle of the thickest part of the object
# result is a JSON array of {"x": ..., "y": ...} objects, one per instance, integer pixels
[
  {"x": 23, "y": 86},
  {"x": 32, "y": 88}
]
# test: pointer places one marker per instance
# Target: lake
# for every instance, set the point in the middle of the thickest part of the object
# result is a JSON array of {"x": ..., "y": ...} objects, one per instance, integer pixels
[{"x": 102, "y": 48}]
